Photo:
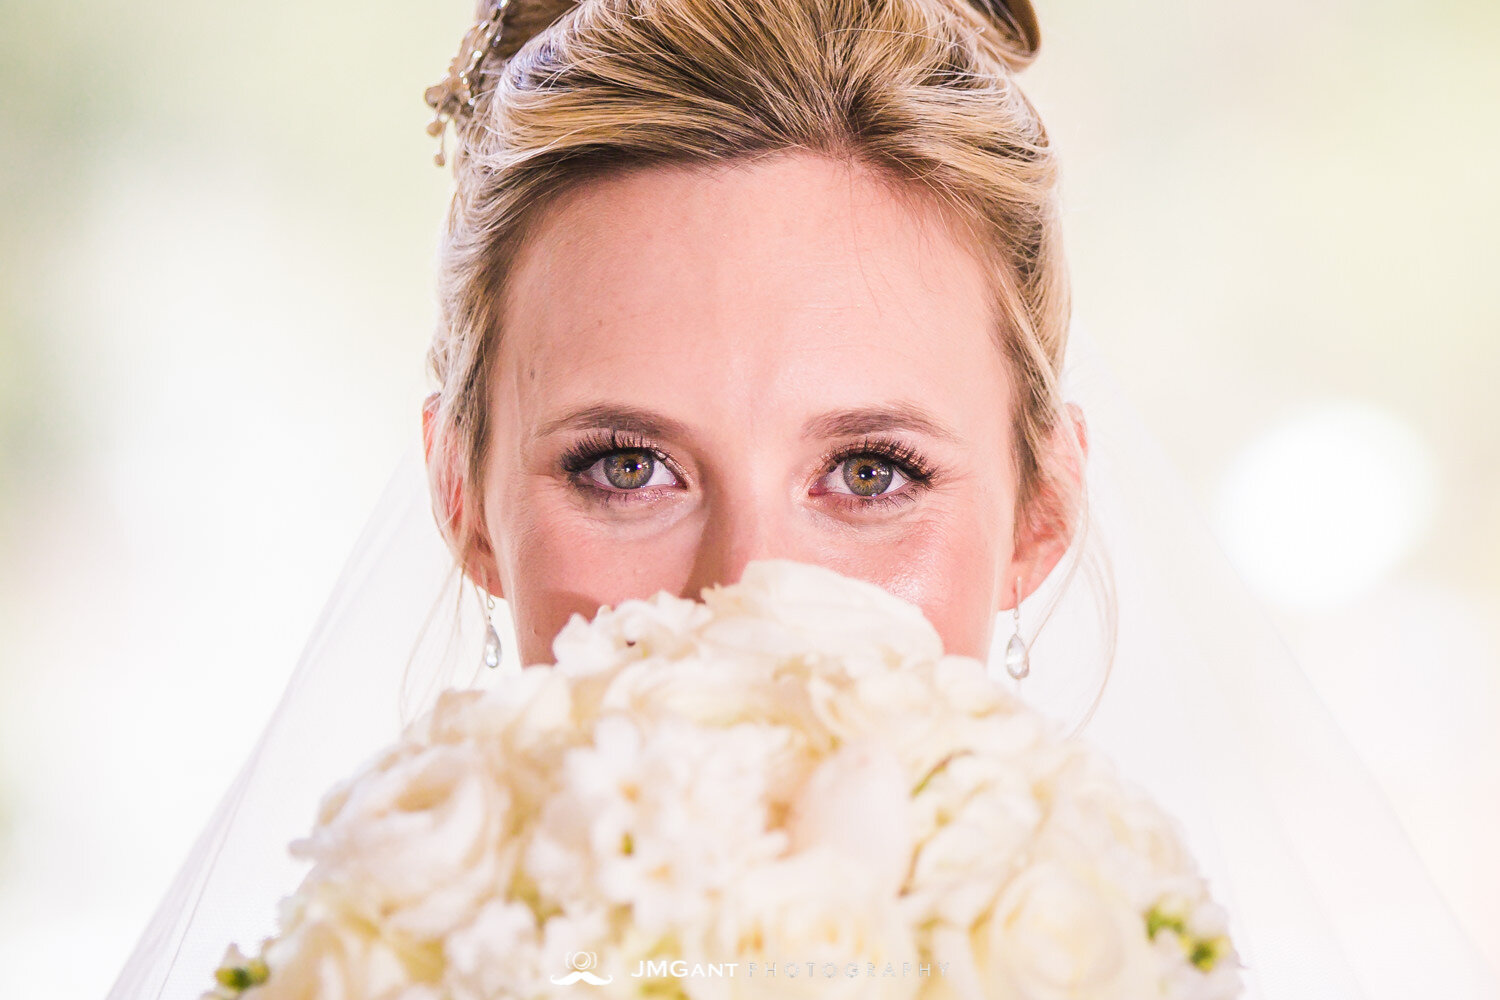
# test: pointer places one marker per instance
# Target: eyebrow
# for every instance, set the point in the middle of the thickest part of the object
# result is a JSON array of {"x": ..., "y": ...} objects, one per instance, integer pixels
[
  {"x": 839, "y": 423},
  {"x": 627, "y": 419},
  {"x": 875, "y": 419}
]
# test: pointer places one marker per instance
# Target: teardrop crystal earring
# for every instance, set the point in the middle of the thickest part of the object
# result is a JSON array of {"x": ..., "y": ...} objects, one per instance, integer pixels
[
  {"x": 491, "y": 637},
  {"x": 1017, "y": 658}
]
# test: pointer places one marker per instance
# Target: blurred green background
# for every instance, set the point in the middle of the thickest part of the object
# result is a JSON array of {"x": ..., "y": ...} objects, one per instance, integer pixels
[{"x": 217, "y": 225}]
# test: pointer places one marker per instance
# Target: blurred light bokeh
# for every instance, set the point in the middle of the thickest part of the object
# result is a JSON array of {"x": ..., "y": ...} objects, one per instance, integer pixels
[{"x": 215, "y": 294}]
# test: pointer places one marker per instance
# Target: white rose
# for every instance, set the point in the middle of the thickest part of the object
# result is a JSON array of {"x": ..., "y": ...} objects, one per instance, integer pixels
[
  {"x": 661, "y": 625},
  {"x": 857, "y": 803},
  {"x": 965, "y": 684},
  {"x": 789, "y": 610},
  {"x": 1121, "y": 827},
  {"x": 520, "y": 728},
  {"x": 415, "y": 840},
  {"x": 974, "y": 816},
  {"x": 1066, "y": 934},
  {"x": 1079, "y": 858},
  {"x": 325, "y": 953},
  {"x": 892, "y": 707},
  {"x": 531, "y": 708},
  {"x": 815, "y": 906},
  {"x": 718, "y": 691},
  {"x": 1052, "y": 934}
]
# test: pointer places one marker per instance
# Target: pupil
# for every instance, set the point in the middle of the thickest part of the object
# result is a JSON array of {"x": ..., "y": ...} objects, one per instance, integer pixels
[
  {"x": 629, "y": 470},
  {"x": 867, "y": 477}
]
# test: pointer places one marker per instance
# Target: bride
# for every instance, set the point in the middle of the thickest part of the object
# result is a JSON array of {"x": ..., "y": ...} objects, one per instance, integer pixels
[{"x": 726, "y": 280}]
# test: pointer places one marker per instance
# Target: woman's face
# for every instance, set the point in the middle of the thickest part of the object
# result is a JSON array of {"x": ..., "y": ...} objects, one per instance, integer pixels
[{"x": 779, "y": 359}]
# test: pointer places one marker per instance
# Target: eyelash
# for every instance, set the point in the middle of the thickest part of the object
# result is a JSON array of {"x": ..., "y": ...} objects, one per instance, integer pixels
[
  {"x": 598, "y": 444},
  {"x": 908, "y": 462}
]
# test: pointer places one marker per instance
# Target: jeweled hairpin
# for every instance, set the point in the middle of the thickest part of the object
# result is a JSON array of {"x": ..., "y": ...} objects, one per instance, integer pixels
[{"x": 457, "y": 95}]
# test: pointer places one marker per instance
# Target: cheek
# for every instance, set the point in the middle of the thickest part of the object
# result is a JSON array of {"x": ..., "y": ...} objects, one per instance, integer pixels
[
  {"x": 947, "y": 569},
  {"x": 556, "y": 565}
]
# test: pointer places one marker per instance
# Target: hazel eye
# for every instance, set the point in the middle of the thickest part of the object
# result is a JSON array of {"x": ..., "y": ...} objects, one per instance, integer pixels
[
  {"x": 865, "y": 476},
  {"x": 630, "y": 469}
]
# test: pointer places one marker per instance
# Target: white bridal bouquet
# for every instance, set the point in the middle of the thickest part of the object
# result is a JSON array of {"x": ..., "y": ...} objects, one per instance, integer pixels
[{"x": 786, "y": 789}]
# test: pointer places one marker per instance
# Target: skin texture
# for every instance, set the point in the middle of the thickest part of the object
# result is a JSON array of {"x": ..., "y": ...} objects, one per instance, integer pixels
[{"x": 738, "y": 331}]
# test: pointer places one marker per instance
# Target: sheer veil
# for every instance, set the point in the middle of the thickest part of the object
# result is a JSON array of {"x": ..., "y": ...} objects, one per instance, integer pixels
[{"x": 1203, "y": 704}]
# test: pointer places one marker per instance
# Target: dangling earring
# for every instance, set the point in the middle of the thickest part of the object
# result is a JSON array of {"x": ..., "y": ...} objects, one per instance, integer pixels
[
  {"x": 491, "y": 637},
  {"x": 1017, "y": 659}
]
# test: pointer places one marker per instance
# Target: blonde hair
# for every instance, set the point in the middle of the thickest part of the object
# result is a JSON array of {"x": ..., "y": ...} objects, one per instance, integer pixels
[{"x": 922, "y": 92}]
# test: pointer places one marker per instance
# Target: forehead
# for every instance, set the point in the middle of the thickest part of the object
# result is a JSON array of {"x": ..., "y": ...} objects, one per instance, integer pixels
[{"x": 791, "y": 278}]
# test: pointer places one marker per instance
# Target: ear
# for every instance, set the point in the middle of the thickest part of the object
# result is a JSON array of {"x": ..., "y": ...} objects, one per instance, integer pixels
[
  {"x": 444, "y": 466},
  {"x": 1045, "y": 534}
]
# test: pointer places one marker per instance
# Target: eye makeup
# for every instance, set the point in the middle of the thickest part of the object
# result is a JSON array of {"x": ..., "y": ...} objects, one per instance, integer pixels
[
  {"x": 906, "y": 460},
  {"x": 582, "y": 455},
  {"x": 599, "y": 444}
]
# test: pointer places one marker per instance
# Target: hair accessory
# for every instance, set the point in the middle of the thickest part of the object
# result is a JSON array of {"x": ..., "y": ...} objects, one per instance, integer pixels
[
  {"x": 491, "y": 637},
  {"x": 456, "y": 96},
  {"x": 1017, "y": 659}
]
